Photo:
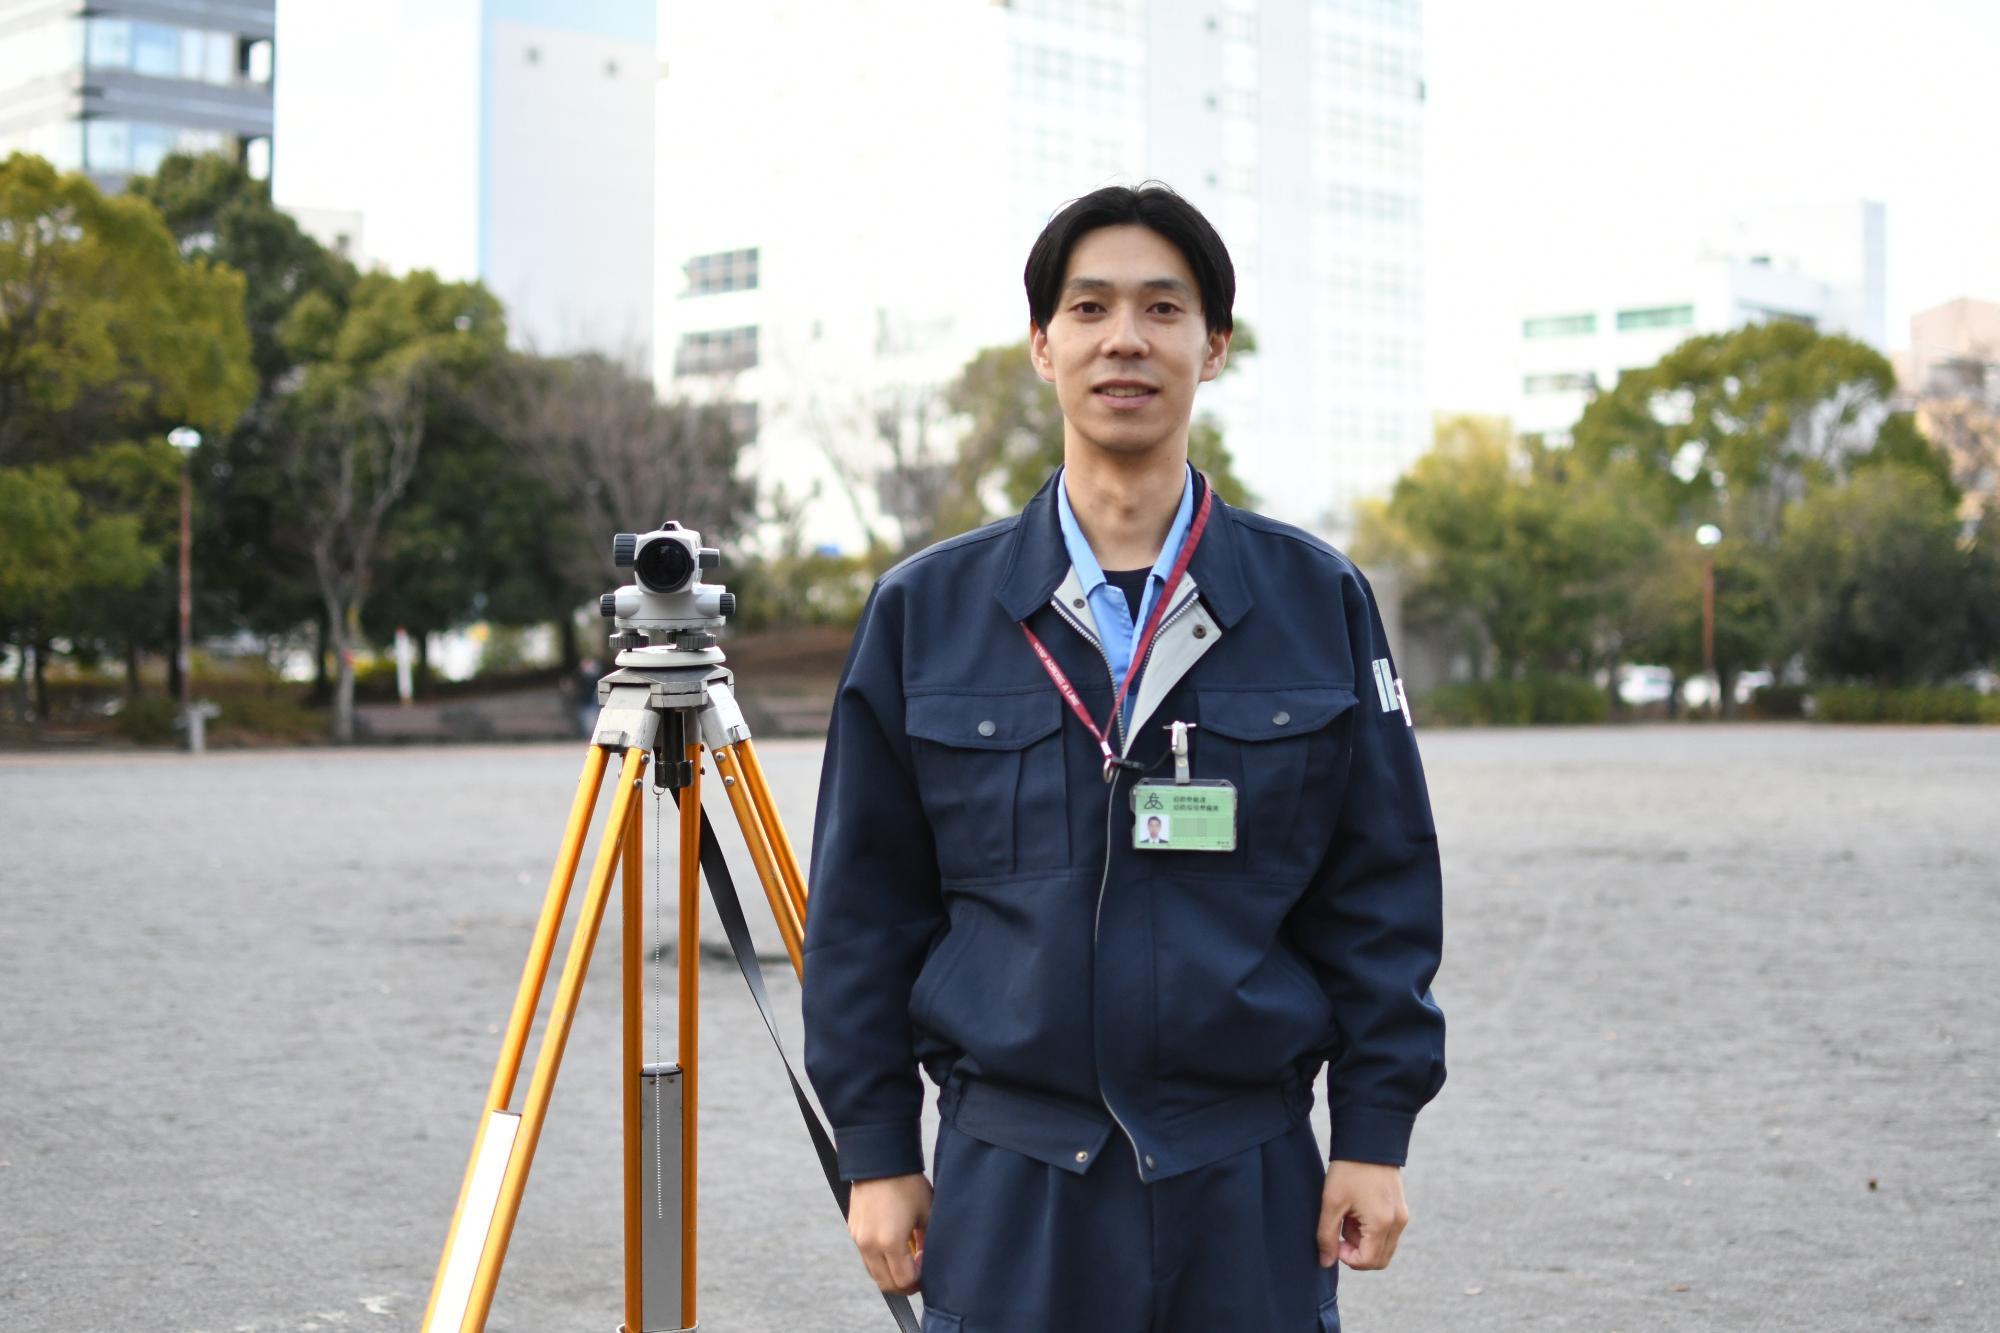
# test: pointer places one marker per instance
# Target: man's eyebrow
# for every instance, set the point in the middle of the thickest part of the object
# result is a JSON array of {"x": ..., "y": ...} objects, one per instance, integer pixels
[{"x": 1087, "y": 284}]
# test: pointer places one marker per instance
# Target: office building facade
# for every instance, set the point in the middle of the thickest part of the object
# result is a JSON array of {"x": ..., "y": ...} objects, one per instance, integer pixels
[
  {"x": 852, "y": 212},
  {"x": 509, "y": 141},
  {"x": 110, "y": 89},
  {"x": 1823, "y": 267}
]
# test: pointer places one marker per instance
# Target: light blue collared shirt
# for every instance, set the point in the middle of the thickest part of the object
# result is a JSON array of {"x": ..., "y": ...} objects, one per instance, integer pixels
[{"x": 1115, "y": 628}]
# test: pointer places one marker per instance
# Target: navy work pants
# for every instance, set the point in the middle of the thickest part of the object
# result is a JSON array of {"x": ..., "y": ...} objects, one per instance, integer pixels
[{"x": 1018, "y": 1246}]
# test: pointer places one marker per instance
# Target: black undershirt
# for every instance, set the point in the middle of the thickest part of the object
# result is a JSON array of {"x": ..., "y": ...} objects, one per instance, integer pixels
[{"x": 1131, "y": 582}]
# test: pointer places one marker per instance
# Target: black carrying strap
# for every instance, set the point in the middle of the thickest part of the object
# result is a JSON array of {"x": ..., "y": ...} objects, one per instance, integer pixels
[{"x": 722, "y": 888}]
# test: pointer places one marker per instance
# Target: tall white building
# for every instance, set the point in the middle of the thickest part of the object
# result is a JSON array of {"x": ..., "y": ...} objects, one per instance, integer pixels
[
  {"x": 1820, "y": 266},
  {"x": 849, "y": 189},
  {"x": 506, "y": 140}
]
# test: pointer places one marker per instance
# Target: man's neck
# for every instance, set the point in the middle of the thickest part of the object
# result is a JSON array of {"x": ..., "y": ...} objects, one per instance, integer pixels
[{"x": 1125, "y": 504}]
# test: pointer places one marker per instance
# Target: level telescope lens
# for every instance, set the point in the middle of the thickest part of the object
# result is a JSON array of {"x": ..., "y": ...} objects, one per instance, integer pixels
[{"x": 664, "y": 565}]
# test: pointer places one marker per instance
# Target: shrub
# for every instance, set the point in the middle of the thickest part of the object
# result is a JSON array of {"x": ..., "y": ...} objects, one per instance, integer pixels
[
  {"x": 1531, "y": 700},
  {"x": 1778, "y": 701},
  {"x": 149, "y": 720},
  {"x": 1867, "y": 703}
]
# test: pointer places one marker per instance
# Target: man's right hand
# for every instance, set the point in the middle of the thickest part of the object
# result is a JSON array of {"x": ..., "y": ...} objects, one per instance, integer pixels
[{"x": 887, "y": 1218}]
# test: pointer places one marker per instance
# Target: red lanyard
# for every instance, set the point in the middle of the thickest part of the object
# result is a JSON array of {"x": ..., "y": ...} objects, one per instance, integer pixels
[{"x": 1140, "y": 646}]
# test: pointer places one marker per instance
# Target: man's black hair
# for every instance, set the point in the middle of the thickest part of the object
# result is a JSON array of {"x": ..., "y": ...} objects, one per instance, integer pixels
[{"x": 1154, "y": 206}]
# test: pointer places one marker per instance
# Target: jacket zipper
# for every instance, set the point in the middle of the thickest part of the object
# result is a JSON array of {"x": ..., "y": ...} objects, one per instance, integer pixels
[
  {"x": 1110, "y": 804},
  {"x": 1110, "y": 808}
]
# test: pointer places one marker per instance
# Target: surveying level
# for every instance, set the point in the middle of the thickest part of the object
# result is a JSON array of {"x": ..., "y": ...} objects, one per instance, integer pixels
[{"x": 666, "y": 702}]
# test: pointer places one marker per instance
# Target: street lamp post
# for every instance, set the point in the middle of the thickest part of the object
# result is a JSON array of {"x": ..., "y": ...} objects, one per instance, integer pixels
[
  {"x": 1708, "y": 535},
  {"x": 187, "y": 440}
]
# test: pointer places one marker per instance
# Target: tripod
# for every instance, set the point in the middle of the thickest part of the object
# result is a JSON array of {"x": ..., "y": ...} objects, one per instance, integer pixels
[{"x": 667, "y": 704}]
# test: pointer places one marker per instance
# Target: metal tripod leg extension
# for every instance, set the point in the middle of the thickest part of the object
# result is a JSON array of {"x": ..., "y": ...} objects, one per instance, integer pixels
[{"x": 667, "y": 705}]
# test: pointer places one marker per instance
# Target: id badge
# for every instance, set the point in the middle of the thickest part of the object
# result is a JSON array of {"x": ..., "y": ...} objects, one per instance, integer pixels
[{"x": 1197, "y": 816}]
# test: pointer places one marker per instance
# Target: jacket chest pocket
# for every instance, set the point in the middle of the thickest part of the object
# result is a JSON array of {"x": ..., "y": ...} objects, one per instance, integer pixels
[
  {"x": 1286, "y": 751},
  {"x": 990, "y": 775}
]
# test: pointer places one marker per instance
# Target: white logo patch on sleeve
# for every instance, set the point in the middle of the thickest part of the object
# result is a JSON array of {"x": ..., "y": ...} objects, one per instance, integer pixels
[{"x": 1385, "y": 685}]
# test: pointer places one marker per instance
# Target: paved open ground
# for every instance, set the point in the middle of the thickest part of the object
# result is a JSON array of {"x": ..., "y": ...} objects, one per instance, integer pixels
[{"x": 1723, "y": 1008}]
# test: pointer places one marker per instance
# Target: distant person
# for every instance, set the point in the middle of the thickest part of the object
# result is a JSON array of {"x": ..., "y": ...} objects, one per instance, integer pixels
[
  {"x": 1125, "y": 1042},
  {"x": 584, "y": 685}
]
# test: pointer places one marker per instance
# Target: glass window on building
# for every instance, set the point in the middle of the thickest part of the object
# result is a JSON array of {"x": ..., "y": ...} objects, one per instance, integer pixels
[
  {"x": 110, "y": 43},
  {"x": 218, "y": 58},
  {"x": 107, "y": 145},
  {"x": 1657, "y": 317},
  {"x": 723, "y": 271},
  {"x": 257, "y": 158},
  {"x": 711, "y": 350},
  {"x": 1559, "y": 326},
  {"x": 258, "y": 58},
  {"x": 156, "y": 50},
  {"x": 1579, "y": 382},
  {"x": 150, "y": 143}
]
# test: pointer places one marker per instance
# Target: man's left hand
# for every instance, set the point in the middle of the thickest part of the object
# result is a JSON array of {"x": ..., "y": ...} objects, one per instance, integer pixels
[{"x": 1361, "y": 1213}]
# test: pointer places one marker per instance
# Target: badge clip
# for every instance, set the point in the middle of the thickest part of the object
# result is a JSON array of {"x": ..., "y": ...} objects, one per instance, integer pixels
[{"x": 1179, "y": 732}]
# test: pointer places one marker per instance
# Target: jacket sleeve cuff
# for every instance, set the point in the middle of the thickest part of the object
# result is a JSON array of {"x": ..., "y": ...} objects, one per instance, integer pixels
[
  {"x": 866, "y": 1152},
  {"x": 1364, "y": 1134}
]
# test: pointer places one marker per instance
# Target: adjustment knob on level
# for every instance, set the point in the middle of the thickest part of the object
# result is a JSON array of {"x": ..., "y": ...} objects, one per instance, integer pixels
[
  {"x": 728, "y": 604},
  {"x": 607, "y": 605},
  {"x": 710, "y": 557},
  {"x": 623, "y": 547}
]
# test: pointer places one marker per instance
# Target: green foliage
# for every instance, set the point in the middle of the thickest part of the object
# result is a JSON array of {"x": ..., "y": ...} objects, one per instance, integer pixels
[
  {"x": 149, "y": 721},
  {"x": 1732, "y": 427},
  {"x": 106, "y": 326},
  {"x": 1864, "y": 703},
  {"x": 1522, "y": 564},
  {"x": 1877, "y": 584},
  {"x": 1779, "y": 701},
  {"x": 214, "y": 209},
  {"x": 1530, "y": 700}
]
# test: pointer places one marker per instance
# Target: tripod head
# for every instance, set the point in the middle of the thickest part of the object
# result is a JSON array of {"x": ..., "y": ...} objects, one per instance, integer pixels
[{"x": 666, "y": 609}]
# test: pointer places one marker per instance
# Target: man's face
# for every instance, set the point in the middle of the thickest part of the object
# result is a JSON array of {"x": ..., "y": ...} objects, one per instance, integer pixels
[
  {"x": 1153, "y": 826},
  {"x": 1127, "y": 343}
]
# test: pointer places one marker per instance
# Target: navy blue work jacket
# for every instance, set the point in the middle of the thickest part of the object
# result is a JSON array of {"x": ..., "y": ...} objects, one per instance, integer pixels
[{"x": 977, "y": 906}]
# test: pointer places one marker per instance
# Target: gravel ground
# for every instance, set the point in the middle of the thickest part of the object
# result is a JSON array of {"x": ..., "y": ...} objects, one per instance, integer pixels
[{"x": 1722, "y": 1047}]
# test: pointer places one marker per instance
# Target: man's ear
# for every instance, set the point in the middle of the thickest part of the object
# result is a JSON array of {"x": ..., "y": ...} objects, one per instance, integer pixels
[
  {"x": 1038, "y": 352},
  {"x": 1216, "y": 357}
]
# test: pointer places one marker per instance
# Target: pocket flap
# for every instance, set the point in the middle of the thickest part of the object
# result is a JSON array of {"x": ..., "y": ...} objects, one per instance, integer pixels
[
  {"x": 984, "y": 721},
  {"x": 1271, "y": 714}
]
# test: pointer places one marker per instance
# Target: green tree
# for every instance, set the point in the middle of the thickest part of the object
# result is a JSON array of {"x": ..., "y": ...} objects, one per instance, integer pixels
[
  {"x": 1732, "y": 428},
  {"x": 1521, "y": 562},
  {"x": 251, "y": 572},
  {"x": 587, "y": 435},
  {"x": 105, "y": 328},
  {"x": 109, "y": 335},
  {"x": 1880, "y": 583},
  {"x": 371, "y": 374}
]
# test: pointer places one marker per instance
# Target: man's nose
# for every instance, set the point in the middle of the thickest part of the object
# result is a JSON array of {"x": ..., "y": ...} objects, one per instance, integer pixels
[{"x": 1122, "y": 336}]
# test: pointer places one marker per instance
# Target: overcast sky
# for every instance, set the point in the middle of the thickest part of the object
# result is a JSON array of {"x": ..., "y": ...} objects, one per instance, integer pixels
[{"x": 1556, "y": 125}]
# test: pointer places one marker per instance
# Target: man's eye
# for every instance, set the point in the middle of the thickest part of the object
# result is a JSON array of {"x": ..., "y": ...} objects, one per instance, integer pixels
[
  {"x": 1165, "y": 308},
  {"x": 1087, "y": 308}
]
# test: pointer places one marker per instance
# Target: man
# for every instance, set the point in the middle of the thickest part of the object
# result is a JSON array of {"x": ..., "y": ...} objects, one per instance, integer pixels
[
  {"x": 1156, "y": 831},
  {"x": 1125, "y": 1037}
]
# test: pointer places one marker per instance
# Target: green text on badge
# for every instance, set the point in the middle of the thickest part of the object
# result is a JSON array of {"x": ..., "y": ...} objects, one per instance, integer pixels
[{"x": 1184, "y": 817}]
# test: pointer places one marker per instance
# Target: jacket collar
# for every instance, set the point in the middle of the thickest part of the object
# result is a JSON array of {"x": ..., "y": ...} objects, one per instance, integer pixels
[{"x": 1039, "y": 561}]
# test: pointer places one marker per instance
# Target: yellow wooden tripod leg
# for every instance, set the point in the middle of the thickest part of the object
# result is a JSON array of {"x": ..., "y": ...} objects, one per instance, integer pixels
[
  {"x": 528, "y": 996},
  {"x": 688, "y": 975},
  {"x": 781, "y": 842},
  {"x": 631, "y": 969},
  {"x": 754, "y": 837},
  {"x": 562, "y": 1015}
]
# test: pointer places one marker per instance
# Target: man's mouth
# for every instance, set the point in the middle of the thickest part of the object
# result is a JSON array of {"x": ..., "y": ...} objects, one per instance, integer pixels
[{"x": 1126, "y": 393}]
